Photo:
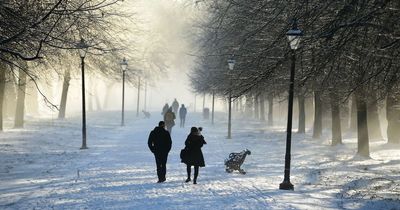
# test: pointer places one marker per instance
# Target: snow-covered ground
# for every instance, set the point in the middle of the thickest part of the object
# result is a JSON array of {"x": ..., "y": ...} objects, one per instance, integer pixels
[{"x": 41, "y": 167}]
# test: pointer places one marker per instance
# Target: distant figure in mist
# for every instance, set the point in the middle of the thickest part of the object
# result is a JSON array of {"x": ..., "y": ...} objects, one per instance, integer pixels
[
  {"x": 175, "y": 106},
  {"x": 165, "y": 109},
  {"x": 160, "y": 144},
  {"x": 169, "y": 118},
  {"x": 182, "y": 115},
  {"x": 146, "y": 114},
  {"x": 194, "y": 156}
]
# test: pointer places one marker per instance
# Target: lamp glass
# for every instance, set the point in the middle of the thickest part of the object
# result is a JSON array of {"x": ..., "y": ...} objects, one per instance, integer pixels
[
  {"x": 294, "y": 41},
  {"x": 83, "y": 48},
  {"x": 231, "y": 64},
  {"x": 124, "y": 64},
  {"x": 294, "y": 36}
]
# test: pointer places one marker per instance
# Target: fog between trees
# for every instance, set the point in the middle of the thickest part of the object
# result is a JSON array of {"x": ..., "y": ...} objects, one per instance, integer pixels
[
  {"x": 346, "y": 68},
  {"x": 347, "y": 78},
  {"x": 40, "y": 59}
]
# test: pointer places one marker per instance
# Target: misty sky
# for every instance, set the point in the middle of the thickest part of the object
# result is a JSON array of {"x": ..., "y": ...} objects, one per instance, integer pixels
[
  {"x": 170, "y": 21},
  {"x": 166, "y": 26}
]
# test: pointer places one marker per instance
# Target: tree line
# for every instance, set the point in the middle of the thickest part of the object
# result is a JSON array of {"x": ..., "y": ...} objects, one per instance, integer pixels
[
  {"x": 38, "y": 39},
  {"x": 349, "y": 52}
]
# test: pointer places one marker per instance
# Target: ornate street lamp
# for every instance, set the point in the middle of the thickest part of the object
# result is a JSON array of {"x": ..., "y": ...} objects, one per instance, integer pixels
[
  {"x": 231, "y": 65},
  {"x": 83, "y": 48},
  {"x": 124, "y": 66},
  {"x": 293, "y": 36}
]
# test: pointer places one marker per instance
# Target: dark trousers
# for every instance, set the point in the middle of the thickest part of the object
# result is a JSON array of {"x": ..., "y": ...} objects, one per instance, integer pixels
[
  {"x": 182, "y": 122},
  {"x": 161, "y": 162},
  {"x": 189, "y": 170}
]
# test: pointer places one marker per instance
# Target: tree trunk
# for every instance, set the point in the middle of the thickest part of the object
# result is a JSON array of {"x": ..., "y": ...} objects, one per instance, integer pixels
[
  {"x": 109, "y": 87},
  {"x": 256, "y": 106},
  {"x": 234, "y": 105},
  {"x": 393, "y": 116},
  {"x": 2, "y": 91},
  {"x": 10, "y": 93},
  {"x": 32, "y": 99},
  {"x": 336, "y": 125},
  {"x": 262, "y": 107},
  {"x": 89, "y": 97},
  {"x": 317, "y": 131},
  {"x": 64, "y": 95},
  {"x": 237, "y": 101},
  {"x": 242, "y": 105},
  {"x": 249, "y": 106},
  {"x": 362, "y": 124},
  {"x": 345, "y": 116},
  {"x": 270, "y": 110},
  {"x": 98, "y": 104},
  {"x": 302, "y": 114},
  {"x": 353, "y": 114},
  {"x": 19, "y": 113},
  {"x": 374, "y": 126},
  {"x": 204, "y": 101}
]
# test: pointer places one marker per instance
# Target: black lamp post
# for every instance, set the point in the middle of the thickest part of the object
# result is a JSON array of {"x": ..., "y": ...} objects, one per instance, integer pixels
[
  {"x": 293, "y": 35},
  {"x": 231, "y": 65},
  {"x": 124, "y": 66},
  {"x": 83, "y": 48}
]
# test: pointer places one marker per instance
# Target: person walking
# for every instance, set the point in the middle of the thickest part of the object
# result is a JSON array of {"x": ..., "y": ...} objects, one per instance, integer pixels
[
  {"x": 194, "y": 155},
  {"x": 175, "y": 106},
  {"x": 160, "y": 144},
  {"x": 182, "y": 115},
  {"x": 165, "y": 109},
  {"x": 169, "y": 119}
]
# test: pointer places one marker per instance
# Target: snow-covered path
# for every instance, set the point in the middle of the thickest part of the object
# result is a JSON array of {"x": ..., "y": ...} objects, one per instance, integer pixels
[{"x": 42, "y": 168}]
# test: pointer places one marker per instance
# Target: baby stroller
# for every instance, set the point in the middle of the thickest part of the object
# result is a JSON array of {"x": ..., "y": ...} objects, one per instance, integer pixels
[
  {"x": 146, "y": 114},
  {"x": 235, "y": 160}
]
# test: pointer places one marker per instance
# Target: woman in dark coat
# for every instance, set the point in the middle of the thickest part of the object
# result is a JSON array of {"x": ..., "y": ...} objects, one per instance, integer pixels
[{"x": 194, "y": 156}]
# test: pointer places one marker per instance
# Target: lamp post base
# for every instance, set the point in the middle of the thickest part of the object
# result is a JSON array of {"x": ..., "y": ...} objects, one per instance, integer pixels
[
  {"x": 84, "y": 147},
  {"x": 286, "y": 185}
]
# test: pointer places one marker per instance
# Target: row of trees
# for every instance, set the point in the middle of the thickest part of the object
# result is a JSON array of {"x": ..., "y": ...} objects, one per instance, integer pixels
[
  {"x": 350, "y": 50},
  {"x": 38, "y": 39}
]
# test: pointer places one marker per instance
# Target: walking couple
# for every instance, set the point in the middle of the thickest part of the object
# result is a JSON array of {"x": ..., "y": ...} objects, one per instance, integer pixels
[{"x": 160, "y": 144}]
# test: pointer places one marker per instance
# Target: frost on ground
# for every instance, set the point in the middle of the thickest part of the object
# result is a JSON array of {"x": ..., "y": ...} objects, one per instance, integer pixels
[{"x": 41, "y": 167}]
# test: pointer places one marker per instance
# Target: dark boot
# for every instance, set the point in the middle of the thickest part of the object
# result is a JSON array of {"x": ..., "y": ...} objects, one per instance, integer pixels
[
  {"x": 196, "y": 174},
  {"x": 188, "y": 170}
]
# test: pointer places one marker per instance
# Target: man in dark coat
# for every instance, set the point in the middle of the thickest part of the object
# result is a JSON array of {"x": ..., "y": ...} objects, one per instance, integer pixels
[{"x": 160, "y": 144}]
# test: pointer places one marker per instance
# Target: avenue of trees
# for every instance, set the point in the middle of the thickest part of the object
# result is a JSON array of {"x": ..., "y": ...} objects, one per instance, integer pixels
[
  {"x": 348, "y": 63},
  {"x": 38, "y": 39}
]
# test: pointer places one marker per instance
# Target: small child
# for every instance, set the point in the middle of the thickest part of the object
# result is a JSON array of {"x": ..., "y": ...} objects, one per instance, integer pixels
[{"x": 200, "y": 129}]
